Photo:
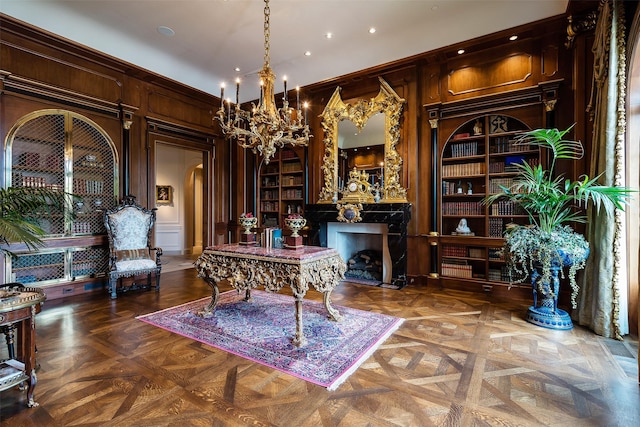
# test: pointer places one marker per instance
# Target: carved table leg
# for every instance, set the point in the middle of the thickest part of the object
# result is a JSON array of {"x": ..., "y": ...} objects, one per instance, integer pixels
[
  {"x": 215, "y": 293},
  {"x": 333, "y": 313},
  {"x": 33, "y": 380},
  {"x": 247, "y": 295},
  {"x": 27, "y": 340},
  {"x": 299, "y": 339}
]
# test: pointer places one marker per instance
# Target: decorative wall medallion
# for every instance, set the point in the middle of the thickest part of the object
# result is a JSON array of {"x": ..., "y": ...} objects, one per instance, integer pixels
[
  {"x": 498, "y": 124},
  {"x": 349, "y": 212}
]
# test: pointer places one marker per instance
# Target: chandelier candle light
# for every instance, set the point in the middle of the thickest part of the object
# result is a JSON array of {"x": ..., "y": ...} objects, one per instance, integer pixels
[{"x": 266, "y": 126}]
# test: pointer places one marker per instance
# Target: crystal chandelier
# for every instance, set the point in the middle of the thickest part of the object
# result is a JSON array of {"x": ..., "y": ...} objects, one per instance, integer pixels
[{"x": 266, "y": 126}]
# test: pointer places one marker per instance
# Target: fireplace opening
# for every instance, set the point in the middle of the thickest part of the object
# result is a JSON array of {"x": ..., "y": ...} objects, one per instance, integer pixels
[
  {"x": 351, "y": 239},
  {"x": 365, "y": 265}
]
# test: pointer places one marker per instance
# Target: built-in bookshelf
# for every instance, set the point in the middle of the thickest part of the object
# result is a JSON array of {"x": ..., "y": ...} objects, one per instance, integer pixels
[
  {"x": 63, "y": 151},
  {"x": 281, "y": 188},
  {"x": 476, "y": 161}
]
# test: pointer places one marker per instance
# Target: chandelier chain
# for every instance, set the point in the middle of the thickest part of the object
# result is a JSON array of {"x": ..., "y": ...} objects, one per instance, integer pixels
[
  {"x": 267, "y": 13},
  {"x": 264, "y": 128}
]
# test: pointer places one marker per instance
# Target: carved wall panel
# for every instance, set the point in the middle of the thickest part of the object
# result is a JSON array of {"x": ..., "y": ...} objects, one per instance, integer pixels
[
  {"x": 505, "y": 71},
  {"x": 59, "y": 73},
  {"x": 550, "y": 61},
  {"x": 171, "y": 106}
]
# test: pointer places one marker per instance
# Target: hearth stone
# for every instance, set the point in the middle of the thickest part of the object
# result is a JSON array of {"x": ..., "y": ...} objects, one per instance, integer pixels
[{"x": 395, "y": 215}]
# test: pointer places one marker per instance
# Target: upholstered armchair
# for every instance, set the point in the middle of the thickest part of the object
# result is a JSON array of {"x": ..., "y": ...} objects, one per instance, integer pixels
[{"x": 129, "y": 228}]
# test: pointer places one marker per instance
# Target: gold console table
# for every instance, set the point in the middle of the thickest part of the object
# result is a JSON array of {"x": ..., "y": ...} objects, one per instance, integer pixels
[
  {"x": 18, "y": 307},
  {"x": 247, "y": 267}
]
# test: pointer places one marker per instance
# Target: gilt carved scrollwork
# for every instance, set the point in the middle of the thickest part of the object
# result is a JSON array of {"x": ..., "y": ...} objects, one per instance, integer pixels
[
  {"x": 349, "y": 212},
  {"x": 390, "y": 104}
]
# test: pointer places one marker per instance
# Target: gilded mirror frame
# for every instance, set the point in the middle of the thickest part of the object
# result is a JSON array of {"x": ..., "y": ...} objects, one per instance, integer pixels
[{"x": 390, "y": 104}]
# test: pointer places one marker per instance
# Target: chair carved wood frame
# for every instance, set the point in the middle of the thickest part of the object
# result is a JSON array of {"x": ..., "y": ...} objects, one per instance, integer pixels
[{"x": 129, "y": 227}]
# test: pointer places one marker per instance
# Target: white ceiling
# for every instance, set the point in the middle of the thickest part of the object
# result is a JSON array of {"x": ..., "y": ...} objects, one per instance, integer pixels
[{"x": 212, "y": 37}]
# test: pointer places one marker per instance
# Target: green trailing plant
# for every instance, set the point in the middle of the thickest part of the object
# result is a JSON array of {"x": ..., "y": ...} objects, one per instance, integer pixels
[
  {"x": 21, "y": 209},
  {"x": 552, "y": 203}
]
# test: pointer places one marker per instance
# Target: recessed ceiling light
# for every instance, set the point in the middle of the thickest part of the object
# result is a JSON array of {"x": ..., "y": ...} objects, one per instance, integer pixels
[
  {"x": 460, "y": 51},
  {"x": 513, "y": 37},
  {"x": 237, "y": 69},
  {"x": 372, "y": 30},
  {"x": 329, "y": 35},
  {"x": 307, "y": 53},
  {"x": 166, "y": 31},
  {"x": 434, "y": 7}
]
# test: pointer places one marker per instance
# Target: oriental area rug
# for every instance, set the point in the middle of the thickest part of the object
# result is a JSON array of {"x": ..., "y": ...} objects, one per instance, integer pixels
[{"x": 261, "y": 330}]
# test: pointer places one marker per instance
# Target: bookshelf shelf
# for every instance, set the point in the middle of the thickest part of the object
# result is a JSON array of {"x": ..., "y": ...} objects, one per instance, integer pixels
[
  {"x": 472, "y": 167},
  {"x": 281, "y": 188}
]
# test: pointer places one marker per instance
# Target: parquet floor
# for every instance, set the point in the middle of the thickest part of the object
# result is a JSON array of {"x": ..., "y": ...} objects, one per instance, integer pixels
[{"x": 458, "y": 360}]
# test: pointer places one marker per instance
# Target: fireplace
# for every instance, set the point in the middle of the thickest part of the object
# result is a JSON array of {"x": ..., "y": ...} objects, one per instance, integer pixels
[
  {"x": 349, "y": 239},
  {"x": 383, "y": 226}
]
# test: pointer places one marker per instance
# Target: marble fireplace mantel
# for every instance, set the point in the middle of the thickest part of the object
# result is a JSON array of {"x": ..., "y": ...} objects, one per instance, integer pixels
[{"x": 395, "y": 215}]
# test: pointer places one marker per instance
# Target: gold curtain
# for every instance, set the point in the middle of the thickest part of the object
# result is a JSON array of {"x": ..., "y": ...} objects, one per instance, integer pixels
[{"x": 604, "y": 279}]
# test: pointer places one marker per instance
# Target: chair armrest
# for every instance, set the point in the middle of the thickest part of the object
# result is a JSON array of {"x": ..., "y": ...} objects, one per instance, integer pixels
[{"x": 158, "y": 252}]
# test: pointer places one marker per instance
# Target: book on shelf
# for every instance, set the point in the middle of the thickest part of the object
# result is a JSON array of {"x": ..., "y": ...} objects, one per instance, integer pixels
[
  {"x": 463, "y": 169},
  {"x": 462, "y": 208},
  {"x": 496, "y": 227},
  {"x": 454, "y": 251},
  {"x": 461, "y": 135},
  {"x": 457, "y": 269},
  {"x": 464, "y": 149}
]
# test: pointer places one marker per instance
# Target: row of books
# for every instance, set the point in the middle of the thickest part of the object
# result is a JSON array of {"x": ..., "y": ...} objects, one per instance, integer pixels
[
  {"x": 496, "y": 227},
  {"x": 456, "y": 270},
  {"x": 504, "y": 144},
  {"x": 463, "y": 169},
  {"x": 476, "y": 253},
  {"x": 40, "y": 182},
  {"x": 292, "y": 194},
  {"x": 496, "y": 167},
  {"x": 506, "y": 207},
  {"x": 292, "y": 180},
  {"x": 501, "y": 275},
  {"x": 464, "y": 149},
  {"x": 454, "y": 250},
  {"x": 451, "y": 187},
  {"x": 269, "y": 206},
  {"x": 269, "y": 194},
  {"x": 87, "y": 186},
  {"x": 271, "y": 237},
  {"x": 462, "y": 208},
  {"x": 495, "y": 183},
  {"x": 291, "y": 167},
  {"x": 270, "y": 181}
]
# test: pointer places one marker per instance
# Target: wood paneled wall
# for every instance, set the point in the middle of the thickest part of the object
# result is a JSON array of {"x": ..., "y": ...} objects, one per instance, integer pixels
[
  {"x": 40, "y": 70},
  {"x": 444, "y": 89}
]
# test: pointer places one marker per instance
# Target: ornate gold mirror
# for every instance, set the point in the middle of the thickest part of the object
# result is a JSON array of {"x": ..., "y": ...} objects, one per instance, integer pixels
[{"x": 360, "y": 161}]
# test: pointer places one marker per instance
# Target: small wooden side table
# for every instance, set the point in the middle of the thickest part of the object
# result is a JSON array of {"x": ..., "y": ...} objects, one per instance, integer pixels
[{"x": 18, "y": 308}]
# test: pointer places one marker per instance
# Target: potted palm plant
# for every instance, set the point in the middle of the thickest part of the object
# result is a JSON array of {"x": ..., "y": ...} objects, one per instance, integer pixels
[
  {"x": 548, "y": 246},
  {"x": 20, "y": 210}
]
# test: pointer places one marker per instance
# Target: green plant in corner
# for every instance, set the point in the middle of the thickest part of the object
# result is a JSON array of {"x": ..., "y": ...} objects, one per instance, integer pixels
[
  {"x": 20, "y": 210},
  {"x": 540, "y": 250}
]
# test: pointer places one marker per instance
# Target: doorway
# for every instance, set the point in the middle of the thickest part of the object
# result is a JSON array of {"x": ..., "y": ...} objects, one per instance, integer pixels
[{"x": 179, "y": 221}]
